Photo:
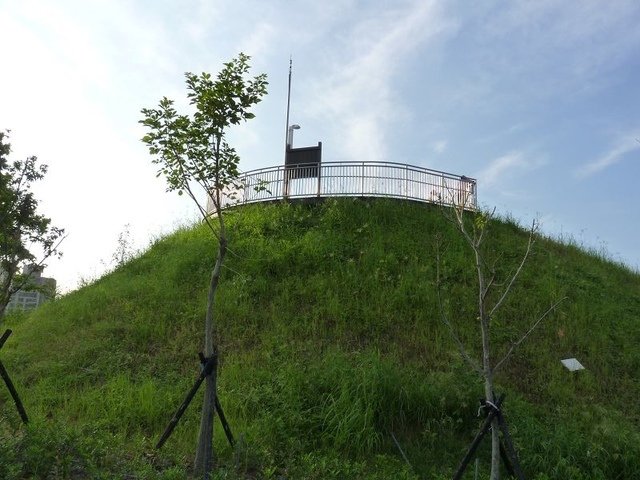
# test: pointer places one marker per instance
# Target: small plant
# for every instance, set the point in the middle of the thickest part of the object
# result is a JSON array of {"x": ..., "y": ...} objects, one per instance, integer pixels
[{"x": 124, "y": 249}]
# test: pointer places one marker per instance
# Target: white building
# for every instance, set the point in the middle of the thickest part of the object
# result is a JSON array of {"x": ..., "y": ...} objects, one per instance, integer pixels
[{"x": 41, "y": 289}]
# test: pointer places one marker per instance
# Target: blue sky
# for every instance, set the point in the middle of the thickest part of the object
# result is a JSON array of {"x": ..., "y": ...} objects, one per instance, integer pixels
[{"x": 538, "y": 100}]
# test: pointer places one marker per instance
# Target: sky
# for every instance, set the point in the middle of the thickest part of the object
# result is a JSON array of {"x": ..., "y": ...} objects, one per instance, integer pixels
[{"x": 537, "y": 100}]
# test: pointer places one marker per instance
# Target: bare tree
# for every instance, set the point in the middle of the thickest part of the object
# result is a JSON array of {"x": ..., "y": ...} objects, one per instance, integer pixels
[{"x": 491, "y": 296}]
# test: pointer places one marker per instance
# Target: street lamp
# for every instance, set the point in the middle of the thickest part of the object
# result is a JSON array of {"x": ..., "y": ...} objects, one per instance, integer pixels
[{"x": 290, "y": 134}]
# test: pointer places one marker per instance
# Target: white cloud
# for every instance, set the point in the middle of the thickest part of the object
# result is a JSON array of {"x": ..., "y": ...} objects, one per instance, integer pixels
[
  {"x": 503, "y": 166},
  {"x": 358, "y": 95},
  {"x": 553, "y": 47},
  {"x": 439, "y": 146},
  {"x": 625, "y": 145},
  {"x": 258, "y": 43}
]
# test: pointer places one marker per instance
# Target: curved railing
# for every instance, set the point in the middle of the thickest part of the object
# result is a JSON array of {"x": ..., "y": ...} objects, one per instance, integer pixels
[{"x": 352, "y": 179}]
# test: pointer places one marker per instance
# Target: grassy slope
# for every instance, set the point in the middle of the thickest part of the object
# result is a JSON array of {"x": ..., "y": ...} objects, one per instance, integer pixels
[{"x": 331, "y": 339}]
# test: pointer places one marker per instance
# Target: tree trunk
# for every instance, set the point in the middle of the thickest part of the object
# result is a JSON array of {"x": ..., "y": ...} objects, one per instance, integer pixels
[
  {"x": 495, "y": 438},
  {"x": 488, "y": 394},
  {"x": 205, "y": 453},
  {"x": 5, "y": 297},
  {"x": 6, "y": 291},
  {"x": 486, "y": 365}
]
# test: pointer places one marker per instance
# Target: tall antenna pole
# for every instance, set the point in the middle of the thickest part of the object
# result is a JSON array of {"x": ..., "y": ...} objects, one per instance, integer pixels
[{"x": 286, "y": 133}]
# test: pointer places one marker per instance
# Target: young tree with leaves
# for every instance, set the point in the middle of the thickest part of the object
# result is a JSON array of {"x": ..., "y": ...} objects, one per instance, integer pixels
[
  {"x": 491, "y": 296},
  {"x": 191, "y": 151},
  {"x": 26, "y": 237}
]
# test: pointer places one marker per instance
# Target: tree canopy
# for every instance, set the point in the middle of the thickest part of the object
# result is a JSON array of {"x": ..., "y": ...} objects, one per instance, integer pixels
[
  {"x": 26, "y": 236},
  {"x": 194, "y": 148}
]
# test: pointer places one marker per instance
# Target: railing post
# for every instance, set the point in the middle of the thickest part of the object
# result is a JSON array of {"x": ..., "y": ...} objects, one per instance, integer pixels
[
  {"x": 362, "y": 183},
  {"x": 474, "y": 194},
  {"x": 285, "y": 185},
  {"x": 406, "y": 181}
]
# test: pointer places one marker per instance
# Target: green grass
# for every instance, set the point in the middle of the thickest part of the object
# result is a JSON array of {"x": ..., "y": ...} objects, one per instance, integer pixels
[{"x": 331, "y": 340}]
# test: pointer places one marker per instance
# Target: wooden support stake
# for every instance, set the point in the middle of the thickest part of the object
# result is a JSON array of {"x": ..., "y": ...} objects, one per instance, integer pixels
[
  {"x": 476, "y": 441},
  {"x": 9, "y": 383},
  {"x": 506, "y": 460},
  {"x": 208, "y": 367},
  {"x": 516, "y": 470},
  {"x": 225, "y": 424},
  {"x": 395, "y": 440},
  {"x": 4, "y": 337},
  {"x": 14, "y": 394}
]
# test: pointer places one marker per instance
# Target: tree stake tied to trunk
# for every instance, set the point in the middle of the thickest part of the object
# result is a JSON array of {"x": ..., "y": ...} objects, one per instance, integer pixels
[{"x": 9, "y": 383}]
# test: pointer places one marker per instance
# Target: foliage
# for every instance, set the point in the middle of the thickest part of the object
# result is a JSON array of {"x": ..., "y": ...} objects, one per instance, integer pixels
[
  {"x": 194, "y": 149},
  {"x": 43, "y": 451},
  {"x": 332, "y": 339},
  {"x": 26, "y": 237}
]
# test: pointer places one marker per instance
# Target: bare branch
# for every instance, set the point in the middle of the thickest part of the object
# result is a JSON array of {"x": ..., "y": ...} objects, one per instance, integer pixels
[
  {"x": 203, "y": 212},
  {"x": 227, "y": 267},
  {"x": 533, "y": 327},
  {"x": 463, "y": 352},
  {"x": 487, "y": 218},
  {"x": 459, "y": 217},
  {"x": 534, "y": 228},
  {"x": 27, "y": 278},
  {"x": 487, "y": 288}
]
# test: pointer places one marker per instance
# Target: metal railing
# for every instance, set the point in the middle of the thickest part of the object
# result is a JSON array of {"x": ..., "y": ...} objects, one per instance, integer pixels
[{"x": 352, "y": 179}]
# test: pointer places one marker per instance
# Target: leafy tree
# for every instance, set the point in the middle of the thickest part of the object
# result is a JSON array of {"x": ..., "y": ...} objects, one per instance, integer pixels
[
  {"x": 26, "y": 237},
  {"x": 494, "y": 287},
  {"x": 191, "y": 151}
]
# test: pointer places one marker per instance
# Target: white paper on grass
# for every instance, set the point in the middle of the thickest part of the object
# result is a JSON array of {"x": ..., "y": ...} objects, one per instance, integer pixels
[{"x": 572, "y": 364}]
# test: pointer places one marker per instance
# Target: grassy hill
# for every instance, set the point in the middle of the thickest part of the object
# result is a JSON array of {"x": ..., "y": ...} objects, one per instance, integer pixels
[{"x": 331, "y": 341}]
